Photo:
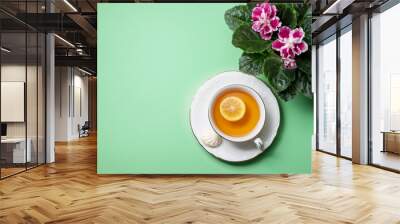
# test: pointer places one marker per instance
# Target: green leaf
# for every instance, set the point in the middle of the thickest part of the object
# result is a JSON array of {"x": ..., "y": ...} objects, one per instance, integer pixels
[
  {"x": 304, "y": 19},
  {"x": 303, "y": 11},
  {"x": 289, "y": 93},
  {"x": 237, "y": 16},
  {"x": 248, "y": 40},
  {"x": 288, "y": 14},
  {"x": 306, "y": 25},
  {"x": 304, "y": 65},
  {"x": 307, "y": 37},
  {"x": 292, "y": 90},
  {"x": 278, "y": 78},
  {"x": 303, "y": 84},
  {"x": 251, "y": 63},
  {"x": 251, "y": 5}
]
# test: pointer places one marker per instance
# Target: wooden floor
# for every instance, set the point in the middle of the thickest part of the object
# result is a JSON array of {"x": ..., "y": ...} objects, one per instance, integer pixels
[
  {"x": 5, "y": 172},
  {"x": 70, "y": 191},
  {"x": 387, "y": 159}
]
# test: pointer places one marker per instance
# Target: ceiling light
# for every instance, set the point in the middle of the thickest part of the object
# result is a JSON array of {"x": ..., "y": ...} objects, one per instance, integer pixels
[
  {"x": 70, "y": 5},
  {"x": 5, "y": 50},
  {"x": 84, "y": 71},
  {"x": 79, "y": 51},
  {"x": 65, "y": 41}
]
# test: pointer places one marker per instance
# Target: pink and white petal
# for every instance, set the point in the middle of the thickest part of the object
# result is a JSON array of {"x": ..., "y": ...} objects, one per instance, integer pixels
[
  {"x": 275, "y": 23},
  {"x": 256, "y": 13},
  {"x": 277, "y": 45},
  {"x": 267, "y": 28},
  {"x": 273, "y": 11},
  {"x": 257, "y": 25},
  {"x": 289, "y": 63},
  {"x": 287, "y": 53},
  {"x": 267, "y": 9},
  {"x": 301, "y": 47},
  {"x": 291, "y": 53},
  {"x": 305, "y": 48},
  {"x": 296, "y": 50},
  {"x": 265, "y": 35},
  {"x": 284, "y": 32},
  {"x": 284, "y": 53},
  {"x": 297, "y": 34}
]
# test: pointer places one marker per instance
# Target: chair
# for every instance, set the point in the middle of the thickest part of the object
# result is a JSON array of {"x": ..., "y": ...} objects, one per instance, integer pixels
[{"x": 84, "y": 130}]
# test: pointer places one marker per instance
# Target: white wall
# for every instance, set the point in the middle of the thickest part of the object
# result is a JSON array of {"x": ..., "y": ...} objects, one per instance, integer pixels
[
  {"x": 16, "y": 72},
  {"x": 34, "y": 126},
  {"x": 12, "y": 101},
  {"x": 79, "y": 117},
  {"x": 70, "y": 83},
  {"x": 62, "y": 82}
]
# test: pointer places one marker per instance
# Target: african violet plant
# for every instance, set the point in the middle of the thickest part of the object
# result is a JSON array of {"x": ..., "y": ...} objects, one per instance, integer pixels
[{"x": 275, "y": 41}]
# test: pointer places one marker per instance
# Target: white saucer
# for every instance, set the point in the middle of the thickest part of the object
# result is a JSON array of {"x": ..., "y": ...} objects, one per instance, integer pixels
[{"x": 231, "y": 151}]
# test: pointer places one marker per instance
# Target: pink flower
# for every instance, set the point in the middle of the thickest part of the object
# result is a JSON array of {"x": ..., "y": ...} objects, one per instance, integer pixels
[
  {"x": 290, "y": 42},
  {"x": 289, "y": 63},
  {"x": 265, "y": 20}
]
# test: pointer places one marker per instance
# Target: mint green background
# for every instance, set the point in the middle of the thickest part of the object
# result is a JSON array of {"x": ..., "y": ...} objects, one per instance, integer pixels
[{"x": 151, "y": 60}]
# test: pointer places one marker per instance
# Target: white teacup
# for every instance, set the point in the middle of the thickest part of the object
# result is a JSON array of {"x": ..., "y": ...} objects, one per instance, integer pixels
[{"x": 256, "y": 130}]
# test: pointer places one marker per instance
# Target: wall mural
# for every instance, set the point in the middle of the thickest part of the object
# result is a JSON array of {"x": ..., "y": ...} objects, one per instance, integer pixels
[{"x": 173, "y": 100}]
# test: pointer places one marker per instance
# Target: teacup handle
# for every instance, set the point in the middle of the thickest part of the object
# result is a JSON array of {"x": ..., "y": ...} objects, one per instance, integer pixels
[{"x": 259, "y": 144}]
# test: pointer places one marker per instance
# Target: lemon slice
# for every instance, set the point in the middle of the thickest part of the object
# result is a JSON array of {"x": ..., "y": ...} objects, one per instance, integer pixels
[{"x": 232, "y": 108}]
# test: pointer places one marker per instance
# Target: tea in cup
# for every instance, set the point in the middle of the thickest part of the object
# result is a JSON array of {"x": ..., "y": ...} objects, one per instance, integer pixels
[{"x": 237, "y": 113}]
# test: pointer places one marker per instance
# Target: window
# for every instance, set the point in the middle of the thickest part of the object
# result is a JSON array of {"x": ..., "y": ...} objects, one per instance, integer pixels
[
  {"x": 326, "y": 99},
  {"x": 385, "y": 90},
  {"x": 22, "y": 107},
  {"x": 346, "y": 92}
]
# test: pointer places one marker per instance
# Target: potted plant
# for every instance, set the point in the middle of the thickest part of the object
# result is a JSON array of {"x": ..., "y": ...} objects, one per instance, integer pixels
[{"x": 275, "y": 39}]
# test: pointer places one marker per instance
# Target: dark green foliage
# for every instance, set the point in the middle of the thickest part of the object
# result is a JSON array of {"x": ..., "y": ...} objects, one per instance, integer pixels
[
  {"x": 278, "y": 78},
  {"x": 248, "y": 40},
  {"x": 237, "y": 16},
  {"x": 252, "y": 63},
  {"x": 288, "y": 14},
  {"x": 260, "y": 60}
]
